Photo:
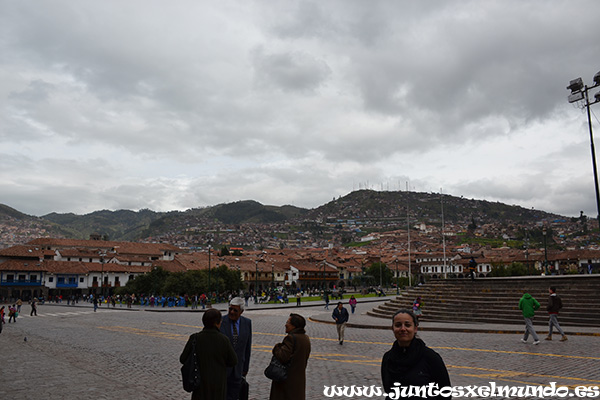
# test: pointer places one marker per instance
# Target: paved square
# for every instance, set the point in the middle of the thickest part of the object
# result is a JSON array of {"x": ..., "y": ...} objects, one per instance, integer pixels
[{"x": 74, "y": 353}]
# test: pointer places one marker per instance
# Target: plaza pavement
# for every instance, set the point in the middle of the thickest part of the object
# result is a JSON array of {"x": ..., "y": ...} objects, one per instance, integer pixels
[{"x": 71, "y": 352}]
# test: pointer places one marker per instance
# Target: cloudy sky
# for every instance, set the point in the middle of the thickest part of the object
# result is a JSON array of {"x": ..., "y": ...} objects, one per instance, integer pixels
[{"x": 170, "y": 105}]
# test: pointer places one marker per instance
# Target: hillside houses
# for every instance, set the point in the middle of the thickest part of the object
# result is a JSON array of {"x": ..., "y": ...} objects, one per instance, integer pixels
[{"x": 50, "y": 267}]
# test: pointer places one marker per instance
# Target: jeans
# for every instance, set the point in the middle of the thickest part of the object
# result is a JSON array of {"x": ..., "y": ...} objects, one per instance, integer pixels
[
  {"x": 554, "y": 322},
  {"x": 529, "y": 330}
]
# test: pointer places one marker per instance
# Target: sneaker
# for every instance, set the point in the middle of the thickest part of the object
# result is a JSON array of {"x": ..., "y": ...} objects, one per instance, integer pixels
[
  {"x": 536, "y": 342},
  {"x": 563, "y": 338},
  {"x": 548, "y": 338},
  {"x": 523, "y": 340},
  {"x": 341, "y": 342}
]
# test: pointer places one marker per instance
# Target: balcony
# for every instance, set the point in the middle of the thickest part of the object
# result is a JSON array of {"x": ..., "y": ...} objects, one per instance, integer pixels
[
  {"x": 67, "y": 285},
  {"x": 11, "y": 282}
]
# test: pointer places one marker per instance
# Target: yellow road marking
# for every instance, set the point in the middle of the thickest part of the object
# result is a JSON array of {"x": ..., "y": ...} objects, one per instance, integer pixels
[{"x": 487, "y": 373}]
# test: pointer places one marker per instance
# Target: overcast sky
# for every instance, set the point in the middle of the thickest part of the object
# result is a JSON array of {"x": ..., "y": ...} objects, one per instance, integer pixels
[{"x": 171, "y": 105}]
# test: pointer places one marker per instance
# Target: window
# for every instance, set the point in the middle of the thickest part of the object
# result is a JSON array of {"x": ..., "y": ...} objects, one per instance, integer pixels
[
  {"x": 61, "y": 280},
  {"x": 72, "y": 280},
  {"x": 81, "y": 280},
  {"x": 51, "y": 279},
  {"x": 131, "y": 277},
  {"x": 22, "y": 278},
  {"x": 95, "y": 279},
  {"x": 32, "y": 278},
  {"x": 116, "y": 279},
  {"x": 10, "y": 278}
]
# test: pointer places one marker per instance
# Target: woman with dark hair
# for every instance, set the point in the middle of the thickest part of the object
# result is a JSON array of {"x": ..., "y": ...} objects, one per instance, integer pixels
[
  {"x": 214, "y": 354},
  {"x": 410, "y": 361},
  {"x": 295, "y": 350}
]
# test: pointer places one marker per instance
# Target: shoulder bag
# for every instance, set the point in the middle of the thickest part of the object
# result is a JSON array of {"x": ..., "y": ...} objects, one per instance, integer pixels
[
  {"x": 190, "y": 373},
  {"x": 277, "y": 371}
]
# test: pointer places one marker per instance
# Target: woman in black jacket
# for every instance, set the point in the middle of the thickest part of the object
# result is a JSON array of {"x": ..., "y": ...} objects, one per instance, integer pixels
[{"x": 410, "y": 362}]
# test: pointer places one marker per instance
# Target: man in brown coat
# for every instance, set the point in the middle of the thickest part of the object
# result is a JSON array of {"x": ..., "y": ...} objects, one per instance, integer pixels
[{"x": 295, "y": 347}]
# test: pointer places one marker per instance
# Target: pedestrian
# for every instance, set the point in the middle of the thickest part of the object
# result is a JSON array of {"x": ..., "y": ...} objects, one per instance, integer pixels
[
  {"x": 214, "y": 354},
  {"x": 352, "y": 303},
  {"x": 12, "y": 313},
  {"x": 295, "y": 350},
  {"x": 340, "y": 315},
  {"x": 554, "y": 306},
  {"x": 326, "y": 297},
  {"x": 19, "y": 304},
  {"x": 95, "y": 303},
  {"x": 298, "y": 298},
  {"x": 33, "y": 307},
  {"x": 410, "y": 361},
  {"x": 239, "y": 331},
  {"x": 417, "y": 304},
  {"x": 528, "y": 305},
  {"x": 2, "y": 322}
]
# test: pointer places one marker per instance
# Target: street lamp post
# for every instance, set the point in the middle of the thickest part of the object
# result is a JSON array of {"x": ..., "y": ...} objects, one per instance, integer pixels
[
  {"x": 527, "y": 252},
  {"x": 545, "y": 251},
  {"x": 397, "y": 279},
  {"x": 209, "y": 288},
  {"x": 256, "y": 282},
  {"x": 579, "y": 92},
  {"x": 102, "y": 274},
  {"x": 272, "y": 276}
]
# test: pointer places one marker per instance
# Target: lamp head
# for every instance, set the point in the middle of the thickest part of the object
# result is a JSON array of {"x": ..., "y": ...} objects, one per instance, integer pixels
[
  {"x": 576, "y": 85},
  {"x": 597, "y": 97},
  {"x": 597, "y": 78}
]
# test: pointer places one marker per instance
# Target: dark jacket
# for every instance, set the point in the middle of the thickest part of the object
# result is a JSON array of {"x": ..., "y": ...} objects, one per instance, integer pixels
[
  {"x": 214, "y": 354},
  {"x": 298, "y": 351},
  {"x": 554, "y": 304},
  {"x": 415, "y": 365},
  {"x": 242, "y": 349},
  {"x": 340, "y": 316}
]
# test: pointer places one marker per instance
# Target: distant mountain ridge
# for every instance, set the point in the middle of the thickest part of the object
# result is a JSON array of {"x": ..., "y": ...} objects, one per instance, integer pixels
[{"x": 130, "y": 225}]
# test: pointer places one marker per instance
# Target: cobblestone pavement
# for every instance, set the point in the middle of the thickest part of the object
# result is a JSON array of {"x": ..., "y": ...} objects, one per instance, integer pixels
[{"x": 74, "y": 353}]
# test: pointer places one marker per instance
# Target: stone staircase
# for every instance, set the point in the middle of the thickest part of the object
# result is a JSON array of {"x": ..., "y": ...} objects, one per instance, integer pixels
[{"x": 496, "y": 300}]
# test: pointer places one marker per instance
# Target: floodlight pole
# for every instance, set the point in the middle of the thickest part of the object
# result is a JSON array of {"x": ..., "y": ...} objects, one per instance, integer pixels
[
  {"x": 587, "y": 106},
  {"x": 579, "y": 91}
]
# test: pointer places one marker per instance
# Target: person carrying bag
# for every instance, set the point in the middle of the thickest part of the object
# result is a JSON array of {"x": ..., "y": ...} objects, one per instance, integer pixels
[{"x": 292, "y": 354}]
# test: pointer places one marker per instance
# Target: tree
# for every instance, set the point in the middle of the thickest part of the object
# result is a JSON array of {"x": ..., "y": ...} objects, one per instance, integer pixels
[
  {"x": 379, "y": 270},
  {"x": 150, "y": 283}
]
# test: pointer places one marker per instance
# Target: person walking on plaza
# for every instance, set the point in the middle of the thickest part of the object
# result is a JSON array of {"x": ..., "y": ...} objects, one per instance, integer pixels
[
  {"x": 239, "y": 331},
  {"x": 340, "y": 315},
  {"x": 33, "y": 307},
  {"x": 298, "y": 298},
  {"x": 1, "y": 317},
  {"x": 352, "y": 303},
  {"x": 326, "y": 298},
  {"x": 554, "y": 305},
  {"x": 528, "y": 305},
  {"x": 12, "y": 313},
  {"x": 19, "y": 304},
  {"x": 295, "y": 350},
  {"x": 95, "y": 301},
  {"x": 214, "y": 354}
]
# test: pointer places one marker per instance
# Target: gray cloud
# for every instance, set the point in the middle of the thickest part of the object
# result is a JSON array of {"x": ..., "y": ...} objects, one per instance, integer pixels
[{"x": 148, "y": 105}]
